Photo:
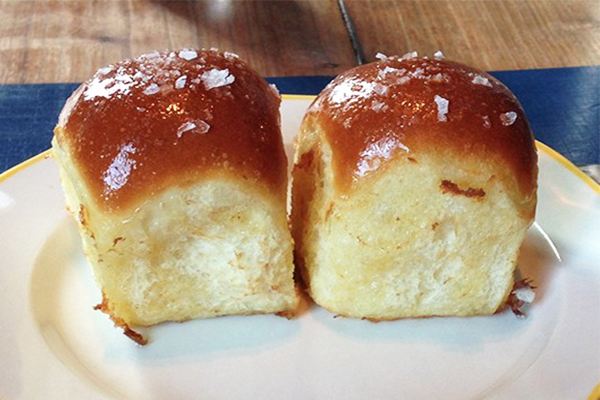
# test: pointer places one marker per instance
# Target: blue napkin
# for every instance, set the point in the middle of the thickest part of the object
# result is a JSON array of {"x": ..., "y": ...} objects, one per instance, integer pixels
[{"x": 563, "y": 107}]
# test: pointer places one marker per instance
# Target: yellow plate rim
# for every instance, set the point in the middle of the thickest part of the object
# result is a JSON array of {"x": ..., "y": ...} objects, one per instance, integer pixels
[{"x": 594, "y": 395}]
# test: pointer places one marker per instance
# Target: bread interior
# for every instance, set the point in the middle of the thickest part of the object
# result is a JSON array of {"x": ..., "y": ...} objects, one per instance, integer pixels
[
  {"x": 421, "y": 236},
  {"x": 215, "y": 247}
]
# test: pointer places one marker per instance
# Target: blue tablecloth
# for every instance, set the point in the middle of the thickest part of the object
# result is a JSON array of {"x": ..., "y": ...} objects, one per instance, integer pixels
[{"x": 563, "y": 107}]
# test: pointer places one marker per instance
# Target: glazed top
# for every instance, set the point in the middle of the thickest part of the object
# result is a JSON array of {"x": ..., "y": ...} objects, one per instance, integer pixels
[
  {"x": 168, "y": 118},
  {"x": 407, "y": 105}
]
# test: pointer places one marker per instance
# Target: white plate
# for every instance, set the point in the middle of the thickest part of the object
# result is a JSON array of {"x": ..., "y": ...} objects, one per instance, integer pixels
[{"x": 53, "y": 346}]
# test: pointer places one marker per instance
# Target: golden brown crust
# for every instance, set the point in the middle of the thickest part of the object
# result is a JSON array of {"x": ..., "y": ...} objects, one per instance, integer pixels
[
  {"x": 287, "y": 314},
  {"x": 141, "y": 125},
  {"x": 447, "y": 186},
  {"x": 407, "y": 107},
  {"x": 120, "y": 323}
]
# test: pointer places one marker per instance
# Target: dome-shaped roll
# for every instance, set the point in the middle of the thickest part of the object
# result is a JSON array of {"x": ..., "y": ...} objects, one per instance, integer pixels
[
  {"x": 413, "y": 186},
  {"x": 174, "y": 166}
]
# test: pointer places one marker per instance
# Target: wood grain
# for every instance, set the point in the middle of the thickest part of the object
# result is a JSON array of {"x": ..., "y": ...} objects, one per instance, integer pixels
[
  {"x": 66, "y": 41},
  {"x": 489, "y": 34}
]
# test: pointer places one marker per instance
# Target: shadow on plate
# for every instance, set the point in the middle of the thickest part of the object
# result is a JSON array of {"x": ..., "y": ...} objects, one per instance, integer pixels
[
  {"x": 64, "y": 292},
  {"x": 537, "y": 261}
]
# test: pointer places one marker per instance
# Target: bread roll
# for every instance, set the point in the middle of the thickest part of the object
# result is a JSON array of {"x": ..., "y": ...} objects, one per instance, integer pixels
[
  {"x": 174, "y": 167},
  {"x": 413, "y": 186}
]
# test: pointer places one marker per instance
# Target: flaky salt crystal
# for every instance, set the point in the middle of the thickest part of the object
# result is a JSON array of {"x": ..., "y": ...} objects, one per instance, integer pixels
[
  {"x": 381, "y": 56},
  {"x": 180, "y": 82},
  {"x": 418, "y": 73},
  {"x": 188, "y": 54},
  {"x": 188, "y": 126},
  {"x": 438, "y": 55},
  {"x": 378, "y": 106},
  {"x": 439, "y": 77},
  {"x": 481, "y": 80},
  {"x": 151, "y": 89},
  {"x": 525, "y": 294},
  {"x": 387, "y": 70},
  {"x": 216, "y": 78},
  {"x": 202, "y": 126},
  {"x": 380, "y": 89},
  {"x": 403, "y": 146},
  {"x": 104, "y": 71},
  {"x": 198, "y": 126},
  {"x": 508, "y": 118},
  {"x": 377, "y": 152},
  {"x": 230, "y": 56},
  {"x": 409, "y": 55},
  {"x": 138, "y": 75},
  {"x": 118, "y": 172},
  {"x": 274, "y": 89},
  {"x": 152, "y": 54},
  {"x": 486, "y": 122},
  {"x": 442, "y": 107}
]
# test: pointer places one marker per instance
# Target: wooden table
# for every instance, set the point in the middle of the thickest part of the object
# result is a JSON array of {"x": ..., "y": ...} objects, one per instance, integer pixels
[{"x": 66, "y": 41}]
